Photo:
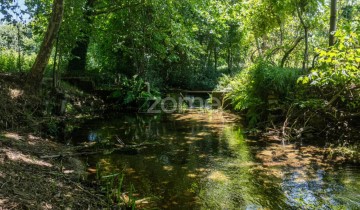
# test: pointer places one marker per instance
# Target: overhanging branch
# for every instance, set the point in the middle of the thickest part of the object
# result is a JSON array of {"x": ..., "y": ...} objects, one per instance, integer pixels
[{"x": 287, "y": 53}]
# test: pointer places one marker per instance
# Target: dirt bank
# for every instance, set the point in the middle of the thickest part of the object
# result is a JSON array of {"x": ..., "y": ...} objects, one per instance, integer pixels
[
  {"x": 27, "y": 122},
  {"x": 28, "y": 181}
]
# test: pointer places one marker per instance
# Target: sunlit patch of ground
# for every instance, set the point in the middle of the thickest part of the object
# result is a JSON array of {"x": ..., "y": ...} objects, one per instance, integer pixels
[
  {"x": 28, "y": 181},
  {"x": 13, "y": 136},
  {"x": 14, "y": 155},
  {"x": 15, "y": 93}
]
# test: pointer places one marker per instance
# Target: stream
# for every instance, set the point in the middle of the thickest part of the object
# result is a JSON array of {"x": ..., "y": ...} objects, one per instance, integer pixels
[{"x": 205, "y": 160}]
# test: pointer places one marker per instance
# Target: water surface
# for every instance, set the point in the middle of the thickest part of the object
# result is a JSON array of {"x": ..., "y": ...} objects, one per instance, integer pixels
[{"x": 205, "y": 161}]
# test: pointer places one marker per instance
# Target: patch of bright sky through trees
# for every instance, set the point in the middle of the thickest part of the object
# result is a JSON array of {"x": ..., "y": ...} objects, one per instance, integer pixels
[{"x": 17, "y": 14}]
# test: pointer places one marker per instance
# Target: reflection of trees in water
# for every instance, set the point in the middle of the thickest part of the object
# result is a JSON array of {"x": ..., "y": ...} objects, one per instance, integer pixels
[
  {"x": 131, "y": 129},
  {"x": 214, "y": 166}
]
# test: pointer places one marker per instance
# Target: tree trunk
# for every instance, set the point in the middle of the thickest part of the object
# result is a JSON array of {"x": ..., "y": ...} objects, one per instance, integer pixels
[
  {"x": 55, "y": 63},
  {"x": 281, "y": 30},
  {"x": 77, "y": 64},
  {"x": 332, "y": 22},
  {"x": 306, "y": 33},
  {"x": 19, "y": 47},
  {"x": 215, "y": 58},
  {"x": 258, "y": 47},
  {"x": 37, "y": 71},
  {"x": 229, "y": 61},
  {"x": 306, "y": 51},
  {"x": 287, "y": 53}
]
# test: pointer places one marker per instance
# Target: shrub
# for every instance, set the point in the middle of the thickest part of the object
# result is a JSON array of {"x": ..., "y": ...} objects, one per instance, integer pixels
[
  {"x": 133, "y": 92},
  {"x": 336, "y": 79},
  {"x": 9, "y": 61},
  {"x": 251, "y": 88}
]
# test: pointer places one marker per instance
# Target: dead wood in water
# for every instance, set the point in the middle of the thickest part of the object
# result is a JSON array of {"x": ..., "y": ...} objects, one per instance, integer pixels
[{"x": 93, "y": 150}]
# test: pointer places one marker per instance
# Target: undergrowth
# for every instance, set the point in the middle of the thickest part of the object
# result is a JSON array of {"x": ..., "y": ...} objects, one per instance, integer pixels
[
  {"x": 252, "y": 88},
  {"x": 111, "y": 185}
]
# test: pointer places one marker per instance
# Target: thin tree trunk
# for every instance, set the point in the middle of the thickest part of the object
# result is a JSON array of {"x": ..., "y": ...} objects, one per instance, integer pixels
[
  {"x": 258, "y": 46},
  {"x": 306, "y": 51},
  {"x": 306, "y": 33},
  {"x": 215, "y": 58},
  {"x": 281, "y": 31},
  {"x": 19, "y": 47},
  {"x": 209, "y": 53},
  {"x": 143, "y": 60},
  {"x": 333, "y": 11},
  {"x": 314, "y": 60},
  {"x": 287, "y": 53},
  {"x": 229, "y": 61},
  {"x": 55, "y": 62},
  {"x": 208, "y": 62},
  {"x": 37, "y": 71}
]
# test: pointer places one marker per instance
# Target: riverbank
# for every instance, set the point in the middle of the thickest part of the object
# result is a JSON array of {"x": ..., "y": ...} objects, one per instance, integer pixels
[
  {"x": 314, "y": 148},
  {"x": 37, "y": 172},
  {"x": 28, "y": 181},
  {"x": 31, "y": 127},
  {"x": 279, "y": 153}
]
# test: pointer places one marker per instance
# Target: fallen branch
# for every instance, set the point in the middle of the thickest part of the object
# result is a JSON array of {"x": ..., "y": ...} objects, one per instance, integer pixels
[{"x": 91, "y": 150}]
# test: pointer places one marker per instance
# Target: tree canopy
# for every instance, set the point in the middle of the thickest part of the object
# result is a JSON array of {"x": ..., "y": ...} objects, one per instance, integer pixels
[{"x": 186, "y": 44}]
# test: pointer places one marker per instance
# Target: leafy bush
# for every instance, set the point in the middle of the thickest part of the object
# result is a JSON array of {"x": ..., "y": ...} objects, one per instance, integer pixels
[
  {"x": 9, "y": 61},
  {"x": 251, "y": 88},
  {"x": 133, "y": 92},
  {"x": 336, "y": 79}
]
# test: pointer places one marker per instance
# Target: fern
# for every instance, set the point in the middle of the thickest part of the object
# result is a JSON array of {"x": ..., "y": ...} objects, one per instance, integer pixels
[{"x": 251, "y": 88}]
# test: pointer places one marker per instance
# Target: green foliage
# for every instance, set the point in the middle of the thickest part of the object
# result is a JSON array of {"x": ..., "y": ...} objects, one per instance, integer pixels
[
  {"x": 113, "y": 188},
  {"x": 251, "y": 88},
  {"x": 15, "y": 39},
  {"x": 133, "y": 91},
  {"x": 170, "y": 43},
  {"x": 339, "y": 66},
  {"x": 337, "y": 75},
  {"x": 9, "y": 61}
]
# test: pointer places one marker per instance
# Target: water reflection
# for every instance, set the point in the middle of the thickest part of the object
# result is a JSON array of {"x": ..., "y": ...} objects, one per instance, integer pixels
[
  {"x": 204, "y": 162},
  {"x": 93, "y": 136}
]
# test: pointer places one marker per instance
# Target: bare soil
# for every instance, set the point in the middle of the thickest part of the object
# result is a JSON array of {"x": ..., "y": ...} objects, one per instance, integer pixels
[{"x": 27, "y": 179}]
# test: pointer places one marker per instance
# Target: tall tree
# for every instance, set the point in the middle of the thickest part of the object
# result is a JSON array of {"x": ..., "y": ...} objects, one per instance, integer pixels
[
  {"x": 333, "y": 11},
  {"x": 78, "y": 62},
  {"x": 37, "y": 70}
]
